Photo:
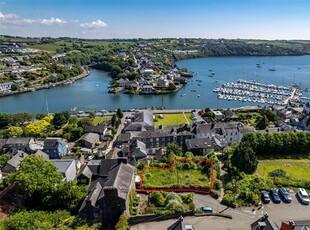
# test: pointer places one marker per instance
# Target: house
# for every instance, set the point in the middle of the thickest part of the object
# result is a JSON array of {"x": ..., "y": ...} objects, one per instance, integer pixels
[
  {"x": 122, "y": 139},
  {"x": 13, "y": 164},
  {"x": 55, "y": 147},
  {"x": 147, "y": 73},
  {"x": 199, "y": 146},
  {"x": 6, "y": 86},
  {"x": 307, "y": 108},
  {"x": 79, "y": 160},
  {"x": 203, "y": 130},
  {"x": 162, "y": 82},
  {"x": 98, "y": 169},
  {"x": 67, "y": 168},
  {"x": 20, "y": 143},
  {"x": 180, "y": 224},
  {"x": 147, "y": 88},
  {"x": 264, "y": 223},
  {"x": 136, "y": 149},
  {"x": 42, "y": 154},
  {"x": 295, "y": 225},
  {"x": 100, "y": 129},
  {"x": 89, "y": 140},
  {"x": 142, "y": 121},
  {"x": 108, "y": 198},
  {"x": 218, "y": 115},
  {"x": 230, "y": 115}
]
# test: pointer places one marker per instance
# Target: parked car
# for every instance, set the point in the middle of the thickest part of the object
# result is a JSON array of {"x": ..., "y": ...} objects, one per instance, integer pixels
[
  {"x": 275, "y": 196},
  {"x": 206, "y": 209},
  {"x": 303, "y": 196},
  {"x": 265, "y": 197},
  {"x": 285, "y": 195}
]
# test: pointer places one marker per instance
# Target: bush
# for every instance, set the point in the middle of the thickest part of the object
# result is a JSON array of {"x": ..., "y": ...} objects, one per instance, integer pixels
[
  {"x": 173, "y": 196},
  {"x": 122, "y": 223},
  {"x": 278, "y": 173},
  {"x": 157, "y": 199},
  {"x": 175, "y": 206}
]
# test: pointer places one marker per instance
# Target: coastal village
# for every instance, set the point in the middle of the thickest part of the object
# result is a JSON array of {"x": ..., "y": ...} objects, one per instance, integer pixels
[{"x": 142, "y": 167}]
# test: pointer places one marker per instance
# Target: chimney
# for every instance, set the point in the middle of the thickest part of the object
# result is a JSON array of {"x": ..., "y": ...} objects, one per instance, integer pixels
[{"x": 292, "y": 224}]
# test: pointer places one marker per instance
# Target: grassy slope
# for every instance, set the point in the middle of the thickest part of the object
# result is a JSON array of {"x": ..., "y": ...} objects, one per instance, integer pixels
[{"x": 98, "y": 120}]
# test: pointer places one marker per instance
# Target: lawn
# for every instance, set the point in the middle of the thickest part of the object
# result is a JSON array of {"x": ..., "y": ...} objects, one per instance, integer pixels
[
  {"x": 98, "y": 120},
  {"x": 170, "y": 119},
  {"x": 295, "y": 171},
  {"x": 175, "y": 178}
]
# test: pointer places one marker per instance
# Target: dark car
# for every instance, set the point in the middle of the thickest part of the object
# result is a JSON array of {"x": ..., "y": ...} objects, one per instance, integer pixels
[
  {"x": 275, "y": 196},
  {"x": 264, "y": 196},
  {"x": 206, "y": 209},
  {"x": 285, "y": 196}
]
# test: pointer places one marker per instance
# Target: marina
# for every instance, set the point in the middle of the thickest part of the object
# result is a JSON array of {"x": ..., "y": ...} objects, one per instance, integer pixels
[{"x": 256, "y": 92}]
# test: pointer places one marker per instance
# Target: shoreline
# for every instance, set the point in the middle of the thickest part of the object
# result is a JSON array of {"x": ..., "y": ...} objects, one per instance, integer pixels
[{"x": 86, "y": 73}]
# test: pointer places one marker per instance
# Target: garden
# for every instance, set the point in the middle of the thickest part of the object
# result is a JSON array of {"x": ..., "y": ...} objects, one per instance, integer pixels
[{"x": 170, "y": 119}]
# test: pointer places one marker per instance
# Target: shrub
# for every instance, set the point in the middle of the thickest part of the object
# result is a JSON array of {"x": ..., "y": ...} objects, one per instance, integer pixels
[
  {"x": 175, "y": 206},
  {"x": 157, "y": 199},
  {"x": 173, "y": 196},
  {"x": 278, "y": 173}
]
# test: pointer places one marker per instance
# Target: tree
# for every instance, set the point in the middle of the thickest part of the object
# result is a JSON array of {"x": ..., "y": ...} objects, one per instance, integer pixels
[
  {"x": 35, "y": 174},
  {"x": 244, "y": 158},
  {"x": 119, "y": 113},
  {"x": 15, "y": 87},
  {"x": 61, "y": 118},
  {"x": 4, "y": 120},
  {"x": 174, "y": 149},
  {"x": 85, "y": 122},
  {"x": 15, "y": 131},
  {"x": 122, "y": 223},
  {"x": 262, "y": 122},
  {"x": 4, "y": 158},
  {"x": 172, "y": 86},
  {"x": 115, "y": 121}
]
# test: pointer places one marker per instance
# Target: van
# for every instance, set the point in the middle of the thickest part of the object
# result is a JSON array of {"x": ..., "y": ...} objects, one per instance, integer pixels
[{"x": 303, "y": 196}]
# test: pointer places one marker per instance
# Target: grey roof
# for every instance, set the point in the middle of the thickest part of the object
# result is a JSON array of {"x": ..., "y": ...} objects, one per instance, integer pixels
[
  {"x": 63, "y": 164},
  {"x": 2, "y": 142},
  {"x": 123, "y": 137},
  {"x": 17, "y": 158},
  {"x": 91, "y": 137},
  {"x": 52, "y": 143},
  {"x": 108, "y": 164},
  {"x": 180, "y": 224},
  {"x": 95, "y": 128},
  {"x": 265, "y": 222},
  {"x": 120, "y": 178},
  {"x": 42, "y": 154},
  {"x": 302, "y": 224},
  {"x": 94, "y": 166},
  {"x": 144, "y": 117},
  {"x": 18, "y": 140},
  {"x": 92, "y": 196},
  {"x": 204, "y": 128},
  {"x": 201, "y": 143}
]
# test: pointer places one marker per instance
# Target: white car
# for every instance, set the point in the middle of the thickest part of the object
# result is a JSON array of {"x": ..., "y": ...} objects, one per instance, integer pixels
[{"x": 303, "y": 196}]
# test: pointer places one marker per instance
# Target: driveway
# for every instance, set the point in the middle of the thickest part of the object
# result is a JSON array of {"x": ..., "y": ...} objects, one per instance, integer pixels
[{"x": 241, "y": 217}]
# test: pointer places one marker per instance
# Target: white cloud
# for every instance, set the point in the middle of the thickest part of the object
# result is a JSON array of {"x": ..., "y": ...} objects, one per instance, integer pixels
[
  {"x": 93, "y": 25},
  {"x": 14, "y": 19},
  {"x": 53, "y": 21}
]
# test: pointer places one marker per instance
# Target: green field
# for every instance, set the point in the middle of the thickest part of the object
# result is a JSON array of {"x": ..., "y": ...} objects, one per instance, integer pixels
[
  {"x": 175, "y": 178},
  {"x": 98, "y": 120},
  {"x": 170, "y": 119},
  {"x": 295, "y": 170}
]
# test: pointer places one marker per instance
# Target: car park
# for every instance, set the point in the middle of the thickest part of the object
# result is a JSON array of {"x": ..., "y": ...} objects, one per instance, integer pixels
[
  {"x": 285, "y": 195},
  {"x": 303, "y": 196},
  {"x": 275, "y": 196},
  {"x": 264, "y": 197},
  {"x": 205, "y": 209}
]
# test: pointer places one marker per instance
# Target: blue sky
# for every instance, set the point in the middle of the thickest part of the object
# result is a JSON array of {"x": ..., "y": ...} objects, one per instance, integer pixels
[{"x": 261, "y": 19}]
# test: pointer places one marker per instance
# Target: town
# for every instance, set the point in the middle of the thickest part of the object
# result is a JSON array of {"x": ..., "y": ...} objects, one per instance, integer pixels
[{"x": 106, "y": 161}]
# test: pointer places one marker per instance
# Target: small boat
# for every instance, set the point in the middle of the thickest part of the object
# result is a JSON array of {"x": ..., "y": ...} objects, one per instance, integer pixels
[
  {"x": 198, "y": 95},
  {"x": 97, "y": 85},
  {"x": 258, "y": 65},
  {"x": 213, "y": 73},
  {"x": 193, "y": 90},
  {"x": 272, "y": 69},
  {"x": 210, "y": 75},
  {"x": 182, "y": 95},
  {"x": 210, "y": 70}
]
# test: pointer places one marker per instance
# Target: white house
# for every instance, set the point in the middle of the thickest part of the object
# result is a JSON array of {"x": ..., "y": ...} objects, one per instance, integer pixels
[{"x": 218, "y": 115}]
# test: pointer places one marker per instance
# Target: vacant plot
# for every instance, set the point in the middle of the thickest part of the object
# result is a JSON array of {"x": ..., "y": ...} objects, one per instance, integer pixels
[
  {"x": 98, "y": 120},
  {"x": 170, "y": 119},
  {"x": 297, "y": 169}
]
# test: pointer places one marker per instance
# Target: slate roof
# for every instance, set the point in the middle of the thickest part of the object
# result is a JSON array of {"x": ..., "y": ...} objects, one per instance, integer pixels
[
  {"x": 17, "y": 158},
  {"x": 62, "y": 164},
  {"x": 204, "y": 128},
  {"x": 108, "y": 164},
  {"x": 145, "y": 117},
  {"x": 18, "y": 140},
  {"x": 123, "y": 137},
  {"x": 201, "y": 143},
  {"x": 99, "y": 129},
  {"x": 42, "y": 154},
  {"x": 180, "y": 224},
  {"x": 52, "y": 143},
  {"x": 92, "y": 196},
  {"x": 264, "y": 222},
  {"x": 91, "y": 137},
  {"x": 2, "y": 142},
  {"x": 119, "y": 178}
]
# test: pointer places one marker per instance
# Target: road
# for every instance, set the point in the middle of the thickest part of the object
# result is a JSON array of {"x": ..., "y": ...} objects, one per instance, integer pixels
[{"x": 242, "y": 218}]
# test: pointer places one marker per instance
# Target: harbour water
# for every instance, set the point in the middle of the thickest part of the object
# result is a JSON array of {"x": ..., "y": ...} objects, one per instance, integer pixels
[{"x": 91, "y": 93}]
